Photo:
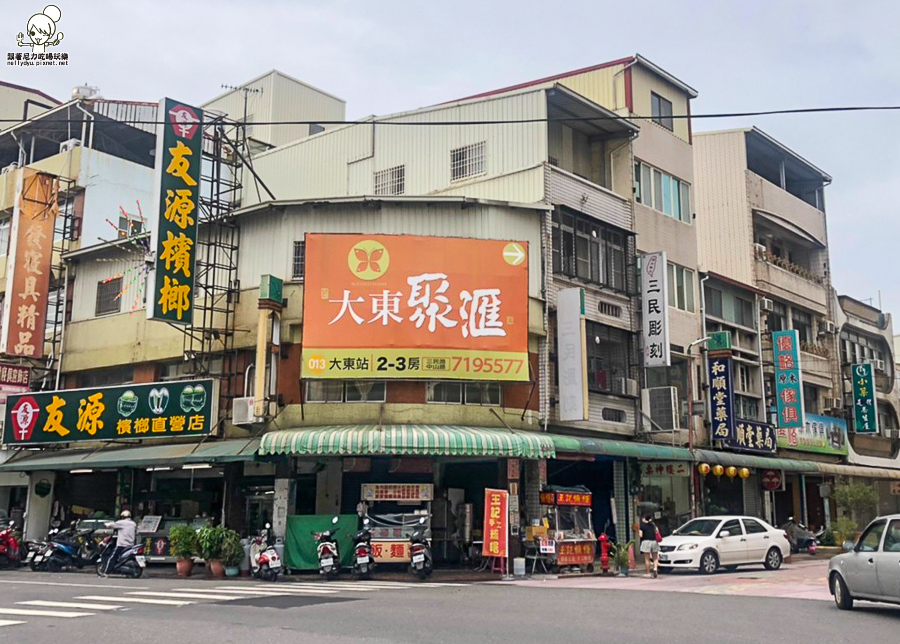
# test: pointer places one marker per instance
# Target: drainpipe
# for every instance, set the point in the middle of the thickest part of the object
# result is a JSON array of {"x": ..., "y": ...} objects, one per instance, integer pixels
[
  {"x": 90, "y": 143},
  {"x": 62, "y": 334}
]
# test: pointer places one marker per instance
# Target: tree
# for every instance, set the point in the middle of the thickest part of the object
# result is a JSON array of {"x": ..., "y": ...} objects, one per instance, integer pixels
[{"x": 857, "y": 499}]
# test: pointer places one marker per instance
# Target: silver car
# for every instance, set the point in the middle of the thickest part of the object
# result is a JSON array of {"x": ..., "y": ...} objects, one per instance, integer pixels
[{"x": 870, "y": 570}]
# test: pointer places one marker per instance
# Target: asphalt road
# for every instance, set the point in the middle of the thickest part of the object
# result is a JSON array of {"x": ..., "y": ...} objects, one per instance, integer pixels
[{"x": 77, "y": 608}]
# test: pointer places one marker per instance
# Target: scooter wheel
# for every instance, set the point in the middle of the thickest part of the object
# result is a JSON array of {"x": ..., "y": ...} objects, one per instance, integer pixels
[{"x": 137, "y": 572}]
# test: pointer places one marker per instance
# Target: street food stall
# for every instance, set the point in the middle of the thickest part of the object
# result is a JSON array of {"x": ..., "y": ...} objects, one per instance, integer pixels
[
  {"x": 570, "y": 537},
  {"x": 394, "y": 510}
]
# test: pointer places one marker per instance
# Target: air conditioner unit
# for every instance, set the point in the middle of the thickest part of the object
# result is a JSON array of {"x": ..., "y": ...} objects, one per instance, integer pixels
[
  {"x": 833, "y": 403},
  {"x": 71, "y": 144},
  {"x": 827, "y": 327},
  {"x": 766, "y": 305},
  {"x": 661, "y": 405},
  {"x": 760, "y": 248},
  {"x": 10, "y": 168},
  {"x": 879, "y": 365},
  {"x": 769, "y": 388},
  {"x": 242, "y": 412},
  {"x": 626, "y": 387},
  {"x": 848, "y": 387}
]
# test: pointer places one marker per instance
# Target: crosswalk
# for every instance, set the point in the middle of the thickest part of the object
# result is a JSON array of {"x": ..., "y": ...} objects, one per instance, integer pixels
[{"x": 109, "y": 599}]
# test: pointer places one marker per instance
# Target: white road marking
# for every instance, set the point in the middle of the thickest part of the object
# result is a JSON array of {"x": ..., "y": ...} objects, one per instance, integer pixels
[
  {"x": 184, "y": 595},
  {"x": 250, "y": 593},
  {"x": 9, "y": 622},
  {"x": 99, "y": 584},
  {"x": 42, "y": 613},
  {"x": 135, "y": 600},
  {"x": 51, "y": 604},
  {"x": 285, "y": 588}
]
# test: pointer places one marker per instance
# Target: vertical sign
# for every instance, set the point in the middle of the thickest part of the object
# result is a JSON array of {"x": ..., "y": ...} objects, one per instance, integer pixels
[
  {"x": 179, "y": 140},
  {"x": 496, "y": 513},
  {"x": 655, "y": 309},
  {"x": 788, "y": 381},
  {"x": 865, "y": 412},
  {"x": 721, "y": 398},
  {"x": 14, "y": 379},
  {"x": 28, "y": 264},
  {"x": 571, "y": 354}
]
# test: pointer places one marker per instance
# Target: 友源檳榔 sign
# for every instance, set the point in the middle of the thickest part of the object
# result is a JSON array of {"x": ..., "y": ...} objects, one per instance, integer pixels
[
  {"x": 126, "y": 412},
  {"x": 401, "y": 306}
]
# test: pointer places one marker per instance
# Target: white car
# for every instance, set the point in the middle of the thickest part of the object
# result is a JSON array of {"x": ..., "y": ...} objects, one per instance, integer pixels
[
  {"x": 708, "y": 543},
  {"x": 871, "y": 568}
]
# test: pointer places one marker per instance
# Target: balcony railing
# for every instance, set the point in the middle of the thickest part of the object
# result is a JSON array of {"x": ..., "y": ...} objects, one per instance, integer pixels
[
  {"x": 816, "y": 349},
  {"x": 764, "y": 255}
]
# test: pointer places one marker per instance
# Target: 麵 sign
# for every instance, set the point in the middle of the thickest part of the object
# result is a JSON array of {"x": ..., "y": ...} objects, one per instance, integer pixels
[
  {"x": 398, "y": 306},
  {"x": 179, "y": 141},
  {"x": 127, "y": 412},
  {"x": 496, "y": 533},
  {"x": 28, "y": 264}
]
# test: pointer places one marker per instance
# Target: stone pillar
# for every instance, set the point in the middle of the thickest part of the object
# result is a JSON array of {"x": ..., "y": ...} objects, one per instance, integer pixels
[
  {"x": 535, "y": 479},
  {"x": 38, "y": 508},
  {"x": 620, "y": 501},
  {"x": 280, "y": 506},
  {"x": 234, "y": 507}
]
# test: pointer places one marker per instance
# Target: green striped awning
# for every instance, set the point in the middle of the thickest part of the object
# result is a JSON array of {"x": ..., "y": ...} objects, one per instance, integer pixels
[{"x": 430, "y": 440}]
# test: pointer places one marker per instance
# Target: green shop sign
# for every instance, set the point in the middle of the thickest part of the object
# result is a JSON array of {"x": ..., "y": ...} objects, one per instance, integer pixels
[
  {"x": 128, "y": 412},
  {"x": 865, "y": 412}
]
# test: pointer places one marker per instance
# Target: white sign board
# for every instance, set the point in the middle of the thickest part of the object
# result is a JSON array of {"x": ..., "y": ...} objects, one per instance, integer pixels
[
  {"x": 655, "y": 309},
  {"x": 149, "y": 523},
  {"x": 571, "y": 354}
]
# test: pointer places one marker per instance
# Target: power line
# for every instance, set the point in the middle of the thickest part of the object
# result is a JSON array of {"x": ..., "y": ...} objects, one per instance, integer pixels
[{"x": 564, "y": 119}]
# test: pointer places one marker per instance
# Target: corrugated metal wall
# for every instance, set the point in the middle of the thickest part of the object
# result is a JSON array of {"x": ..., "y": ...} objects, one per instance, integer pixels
[
  {"x": 643, "y": 83},
  {"x": 602, "y": 86},
  {"x": 566, "y": 189},
  {"x": 90, "y": 273}
]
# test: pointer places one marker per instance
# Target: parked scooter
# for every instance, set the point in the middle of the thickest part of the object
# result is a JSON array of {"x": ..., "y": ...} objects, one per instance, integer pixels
[
  {"x": 420, "y": 552},
  {"x": 264, "y": 560},
  {"x": 68, "y": 548},
  {"x": 364, "y": 563},
  {"x": 10, "y": 547},
  {"x": 130, "y": 563},
  {"x": 328, "y": 552},
  {"x": 800, "y": 537}
]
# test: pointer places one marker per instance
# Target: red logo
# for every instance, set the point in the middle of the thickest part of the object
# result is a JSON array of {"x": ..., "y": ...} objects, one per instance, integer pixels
[
  {"x": 24, "y": 417},
  {"x": 159, "y": 546},
  {"x": 184, "y": 120},
  {"x": 771, "y": 479}
]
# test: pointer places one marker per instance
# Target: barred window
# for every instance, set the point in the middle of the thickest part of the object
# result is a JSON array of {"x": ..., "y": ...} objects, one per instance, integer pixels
[
  {"x": 391, "y": 181},
  {"x": 467, "y": 161},
  {"x": 469, "y": 393},
  {"x": 108, "y": 300},
  {"x": 298, "y": 265}
]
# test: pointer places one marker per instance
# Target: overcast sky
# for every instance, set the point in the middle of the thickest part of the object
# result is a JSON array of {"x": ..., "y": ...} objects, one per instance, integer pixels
[{"x": 393, "y": 55}]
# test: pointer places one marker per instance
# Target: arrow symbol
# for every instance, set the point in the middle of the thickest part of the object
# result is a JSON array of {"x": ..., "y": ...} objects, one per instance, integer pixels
[{"x": 513, "y": 254}]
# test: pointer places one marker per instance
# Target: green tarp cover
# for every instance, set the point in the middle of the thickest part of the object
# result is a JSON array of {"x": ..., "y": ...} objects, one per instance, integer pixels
[{"x": 300, "y": 545}]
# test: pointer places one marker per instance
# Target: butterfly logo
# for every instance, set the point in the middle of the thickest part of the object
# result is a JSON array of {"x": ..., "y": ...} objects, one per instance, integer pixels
[{"x": 369, "y": 260}]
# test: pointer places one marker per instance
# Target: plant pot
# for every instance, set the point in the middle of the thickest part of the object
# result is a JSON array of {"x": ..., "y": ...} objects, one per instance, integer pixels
[
  {"x": 184, "y": 566},
  {"x": 232, "y": 571},
  {"x": 216, "y": 569},
  {"x": 623, "y": 570}
]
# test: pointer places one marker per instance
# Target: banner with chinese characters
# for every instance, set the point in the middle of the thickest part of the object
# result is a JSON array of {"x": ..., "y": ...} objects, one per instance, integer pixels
[
  {"x": 721, "y": 398},
  {"x": 575, "y": 553},
  {"x": 667, "y": 468},
  {"x": 390, "y": 551},
  {"x": 179, "y": 139},
  {"x": 655, "y": 308},
  {"x": 14, "y": 379},
  {"x": 398, "y": 492},
  {"x": 821, "y": 434},
  {"x": 28, "y": 264},
  {"x": 865, "y": 408},
  {"x": 565, "y": 498},
  {"x": 400, "y": 306},
  {"x": 126, "y": 412},
  {"x": 788, "y": 380},
  {"x": 496, "y": 517},
  {"x": 571, "y": 353},
  {"x": 752, "y": 436}
]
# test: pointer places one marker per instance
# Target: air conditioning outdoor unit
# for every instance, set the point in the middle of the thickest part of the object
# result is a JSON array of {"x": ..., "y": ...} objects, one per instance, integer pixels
[
  {"x": 242, "y": 412},
  {"x": 833, "y": 403},
  {"x": 71, "y": 144},
  {"x": 661, "y": 405},
  {"x": 827, "y": 327},
  {"x": 765, "y": 304},
  {"x": 760, "y": 248},
  {"x": 879, "y": 365},
  {"x": 626, "y": 387}
]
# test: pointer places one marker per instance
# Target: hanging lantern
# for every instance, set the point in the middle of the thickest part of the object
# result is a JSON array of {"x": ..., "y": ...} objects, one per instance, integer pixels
[
  {"x": 731, "y": 471},
  {"x": 718, "y": 470},
  {"x": 703, "y": 468},
  {"x": 744, "y": 473}
]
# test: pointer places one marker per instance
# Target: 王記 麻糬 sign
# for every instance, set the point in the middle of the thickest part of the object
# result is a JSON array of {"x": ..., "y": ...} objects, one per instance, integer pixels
[{"x": 125, "y": 412}]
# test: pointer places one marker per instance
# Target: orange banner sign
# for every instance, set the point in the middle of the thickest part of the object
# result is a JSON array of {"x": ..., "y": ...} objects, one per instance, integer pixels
[
  {"x": 390, "y": 551},
  {"x": 28, "y": 264},
  {"x": 496, "y": 523},
  {"x": 571, "y": 553},
  {"x": 401, "y": 306}
]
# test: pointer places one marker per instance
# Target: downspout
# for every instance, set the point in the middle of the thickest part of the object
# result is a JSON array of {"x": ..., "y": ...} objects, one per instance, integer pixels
[
  {"x": 62, "y": 334},
  {"x": 84, "y": 127}
]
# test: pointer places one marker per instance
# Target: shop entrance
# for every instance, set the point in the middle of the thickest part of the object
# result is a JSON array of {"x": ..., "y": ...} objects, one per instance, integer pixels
[
  {"x": 596, "y": 476},
  {"x": 723, "y": 495}
]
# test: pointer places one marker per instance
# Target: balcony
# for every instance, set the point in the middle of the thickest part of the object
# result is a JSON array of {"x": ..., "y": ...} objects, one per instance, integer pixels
[
  {"x": 769, "y": 198},
  {"x": 567, "y": 189},
  {"x": 790, "y": 282}
]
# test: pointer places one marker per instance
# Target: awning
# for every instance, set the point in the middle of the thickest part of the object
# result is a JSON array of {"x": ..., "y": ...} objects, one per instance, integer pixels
[
  {"x": 169, "y": 455},
  {"x": 858, "y": 470},
  {"x": 427, "y": 440}
]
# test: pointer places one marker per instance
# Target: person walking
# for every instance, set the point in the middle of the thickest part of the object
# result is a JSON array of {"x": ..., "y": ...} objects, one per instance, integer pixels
[{"x": 650, "y": 545}]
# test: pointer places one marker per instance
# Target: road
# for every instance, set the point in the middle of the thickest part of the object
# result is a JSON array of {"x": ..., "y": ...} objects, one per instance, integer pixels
[{"x": 81, "y": 609}]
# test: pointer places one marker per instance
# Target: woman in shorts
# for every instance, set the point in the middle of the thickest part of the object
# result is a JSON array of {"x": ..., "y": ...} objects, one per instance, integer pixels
[{"x": 650, "y": 546}]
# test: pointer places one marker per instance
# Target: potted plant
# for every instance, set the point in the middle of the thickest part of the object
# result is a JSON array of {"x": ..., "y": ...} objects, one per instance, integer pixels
[
  {"x": 620, "y": 556},
  {"x": 232, "y": 553},
  {"x": 212, "y": 540},
  {"x": 183, "y": 546}
]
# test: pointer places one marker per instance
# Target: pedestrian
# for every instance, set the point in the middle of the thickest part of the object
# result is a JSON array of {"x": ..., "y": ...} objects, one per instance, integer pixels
[{"x": 650, "y": 545}]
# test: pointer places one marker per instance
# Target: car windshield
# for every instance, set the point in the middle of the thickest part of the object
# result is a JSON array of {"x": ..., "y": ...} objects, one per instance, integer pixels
[{"x": 699, "y": 528}]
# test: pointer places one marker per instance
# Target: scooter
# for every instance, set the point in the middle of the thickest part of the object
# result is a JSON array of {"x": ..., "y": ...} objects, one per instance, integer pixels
[
  {"x": 10, "y": 547},
  {"x": 67, "y": 549},
  {"x": 130, "y": 563},
  {"x": 264, "y": 560},
  {"x": 364, "y": 564},
  {"x": 800, "y": 536},
  {"x": 420, "y": 552},
  {"x": 327, "y": 551}
]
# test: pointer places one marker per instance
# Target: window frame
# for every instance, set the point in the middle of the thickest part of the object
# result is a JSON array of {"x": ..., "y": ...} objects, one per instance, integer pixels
[
  {"x": 298, "y": 268},
  {"x": 599, "y": 352},
  {"x": 654, "y": 188},
  {"x": 5, "y": 233},
  {"x": 679, "y": 293},
  {"x": 102, "y": 285},
  {"x": 658, "y": 112},
  {"x": 390, "y": 181},
  {"x": 725, "y": 525},
  {"x": 344, "y": 384},
  {"x": 463, "y": 387},
  {"x": 882, "y": 523},
  {"x": 607, "y": 247},
  {"x": 710, "y": 290},
  {"x": 748, "y": 522},
  {"x": 467, "y": 161}
]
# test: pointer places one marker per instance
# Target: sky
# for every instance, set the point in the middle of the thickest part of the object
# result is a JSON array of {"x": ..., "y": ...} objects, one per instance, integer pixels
[{"x": 394, "y": 55}]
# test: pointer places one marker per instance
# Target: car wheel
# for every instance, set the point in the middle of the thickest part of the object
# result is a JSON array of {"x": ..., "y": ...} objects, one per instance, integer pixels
[
  {"x": 773, "y": 559},
  {"x": 842, "y": 597},
  {"x": 709, "y": 562}
]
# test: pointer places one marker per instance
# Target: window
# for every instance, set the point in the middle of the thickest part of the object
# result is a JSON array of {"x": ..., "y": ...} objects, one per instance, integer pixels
[
  {"x": 681, "y": 288},
  {"x": 754, "y": 527},
  {"x": 663, "y": 192},
  {"x": 106, "y": 377},
  {"x": 331, "y": 391},
  {"x": 802, "y": 323},
  {"x": 469, "y": 393},
  {"x": 298, "y": 263},
  {"x": 714, "y": 302},
  {"x": 743, "y": 313},
  {"x": 364, "y": 391},
  {"x": 315, "y": 128},
  {"x": 108, "y": 300},
  {"x": 613, "y": 415},
  {"x": 892, "y": 538},
  {"x": 129, "y": 226},
  {"x": 743, "y": 377},
  {"x": 871, "y": 539},
  {"x": 467, "y": 161},
  {"x": 585, "y": 248},
  {"x": 746, "y": 408},
  {"x": 661, "y": 111},
  {"x": 777, "y": 319},
  {"x": 733, "y": 527},
  {"x": 4, "y": 236},
  {"x": 391, "y": 181},
  {"x": 811, "y": 399},
  {"x": 608, "y": 358}
]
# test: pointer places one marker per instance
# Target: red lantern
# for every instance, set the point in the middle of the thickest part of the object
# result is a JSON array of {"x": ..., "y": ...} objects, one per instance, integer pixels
[
  {"x": 703, "y": 468},
  {"x": 744, "y": 473},
  {"x": 731, "y": 471},
  {"x": 718, "y": 470}
]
